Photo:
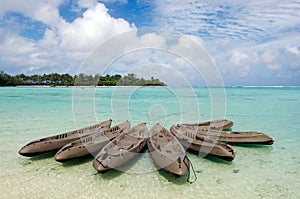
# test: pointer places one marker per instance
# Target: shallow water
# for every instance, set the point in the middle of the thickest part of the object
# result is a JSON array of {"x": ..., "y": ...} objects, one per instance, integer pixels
[{"x": 28, "y": 113}]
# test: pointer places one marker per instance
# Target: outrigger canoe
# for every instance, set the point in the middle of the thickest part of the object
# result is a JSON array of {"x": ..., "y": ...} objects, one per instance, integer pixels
[
  {"x": 91, "y": 144},
  {"x": 122, "y": 149},
  {"x": 246, "y": 137},
  {"x": 55, "y": 142},
  {"x": 166, "y": 151},
  {"x": 221, "y": 124},
  {"x": 204, "y": 146}
]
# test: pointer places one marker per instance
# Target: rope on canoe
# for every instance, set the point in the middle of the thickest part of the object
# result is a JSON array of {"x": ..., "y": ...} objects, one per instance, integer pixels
[{"x": 187, "y": 165}]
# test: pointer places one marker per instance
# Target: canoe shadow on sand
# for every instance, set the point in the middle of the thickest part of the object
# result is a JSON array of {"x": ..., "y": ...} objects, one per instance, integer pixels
[
  {"x": 109, "y": 175},
  {"x": 77, "y": 161},
  {"x": 254, "y": 146},
  {"x": 46, "y": 155},
  {"x": 69, "y": 163},
  {"x": 209, "y": 157},
  {"x": 114, "y": 173},
  {"x": 170, "y": 177}
]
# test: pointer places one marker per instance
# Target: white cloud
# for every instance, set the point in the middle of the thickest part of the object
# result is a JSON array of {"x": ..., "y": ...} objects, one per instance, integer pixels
[
  {"x": 239, "y": 20},
  {"x": 50, "y": 40},
  {"x": 248, "y": 61},
  {"x": 293, "y": 49},
  {"x": 64, "y": 44},
  {"x": 21, "y": 53},
  {"x": 87, "y": 3},
  {"x": 293, "y": 55},
  {"x": 153, "y": 40},
  {"x": 46, "y": 14},
  {"x": 238, "y": 58},
  {"x": 41, "y": 10},
  {"x": 182, "y": 55},
  {"x": 271, "y": 58},
  {"x": 94, "y": 27},
  {"x": 242, "y": 37},
  {"x": 14, "y": 44}
]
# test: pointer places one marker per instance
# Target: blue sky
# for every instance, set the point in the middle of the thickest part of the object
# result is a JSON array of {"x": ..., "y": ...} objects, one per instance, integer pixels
[{"x": 251, "y": 43}]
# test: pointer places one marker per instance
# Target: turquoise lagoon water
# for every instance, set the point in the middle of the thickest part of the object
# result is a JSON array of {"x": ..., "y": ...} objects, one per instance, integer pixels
[{"x": 28, "y": 113}]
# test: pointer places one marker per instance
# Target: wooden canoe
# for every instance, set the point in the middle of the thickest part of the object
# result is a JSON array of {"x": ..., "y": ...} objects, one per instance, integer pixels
[
  {"x": 246, "y": 137},
  {"x": 91, "y": 144},
  {"x": 122, "y": 149},
  {"x": 203, "y": 145},
  {"x": 166, "y": 151},
  {"x": 55, "y": 142},
  {"x": 221, "y": 124}
]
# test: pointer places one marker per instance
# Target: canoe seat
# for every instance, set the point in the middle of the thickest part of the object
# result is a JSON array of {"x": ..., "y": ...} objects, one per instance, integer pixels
[
  {"x": 113, "y": 151},
  {"x": 116, "y": 150},
  {"x": 123, "y": 143},
  {"x": 130, "y": 137},
  {"x": 158, "y": 147},
  {"x": 163, "y": 139},
  {"x": 126, "y": 147},
  {"x": 199, "y": 138}
]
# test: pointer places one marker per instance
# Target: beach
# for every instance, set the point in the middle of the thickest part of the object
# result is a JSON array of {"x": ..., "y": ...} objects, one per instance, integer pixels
[{"x": 29, "y": 113}]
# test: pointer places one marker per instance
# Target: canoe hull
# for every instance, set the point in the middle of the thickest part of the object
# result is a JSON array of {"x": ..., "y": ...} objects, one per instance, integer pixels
[
  {"x": 243, "y": 138},
  {"x": 122, "y": 149},
  {"x": 166, "y": 151},
  {"x": 79, "y": 151},
  {"x": 231, "y": 136},
  {"x": 40, "y": 147},
  {"x": 55, "y": 142},
  {"x": 90, "y": 145},
  {"x": 202, "y": 144},
  {"x": 118, "y": 160},
  {"x": 221, "y": 124},
  {"x": 179, "y": 166},
  {"x": 219, "y": 150}
]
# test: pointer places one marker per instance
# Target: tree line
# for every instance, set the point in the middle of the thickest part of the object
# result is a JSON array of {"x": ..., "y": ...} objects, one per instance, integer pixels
[{"x": 55, "y": 79}]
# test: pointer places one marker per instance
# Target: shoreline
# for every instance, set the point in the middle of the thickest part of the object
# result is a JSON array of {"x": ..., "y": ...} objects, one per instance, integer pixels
[{"x": 49, "y": 86}]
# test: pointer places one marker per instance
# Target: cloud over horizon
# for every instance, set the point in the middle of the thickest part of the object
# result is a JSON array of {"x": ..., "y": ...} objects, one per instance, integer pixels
[
  {"x": 252, "y": 43},
  {"x": 64, "y": 44}
]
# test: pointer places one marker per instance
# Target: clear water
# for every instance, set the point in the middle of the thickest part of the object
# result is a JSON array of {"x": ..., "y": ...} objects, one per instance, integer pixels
[{"x": 28, "y": 113}]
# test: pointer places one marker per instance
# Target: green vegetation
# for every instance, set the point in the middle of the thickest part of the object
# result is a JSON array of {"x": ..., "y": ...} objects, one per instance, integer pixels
[{"x": 55, "y": 79}]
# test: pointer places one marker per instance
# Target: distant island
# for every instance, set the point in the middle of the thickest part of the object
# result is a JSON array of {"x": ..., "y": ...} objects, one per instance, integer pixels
[{"x": 55, "y": 79}]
